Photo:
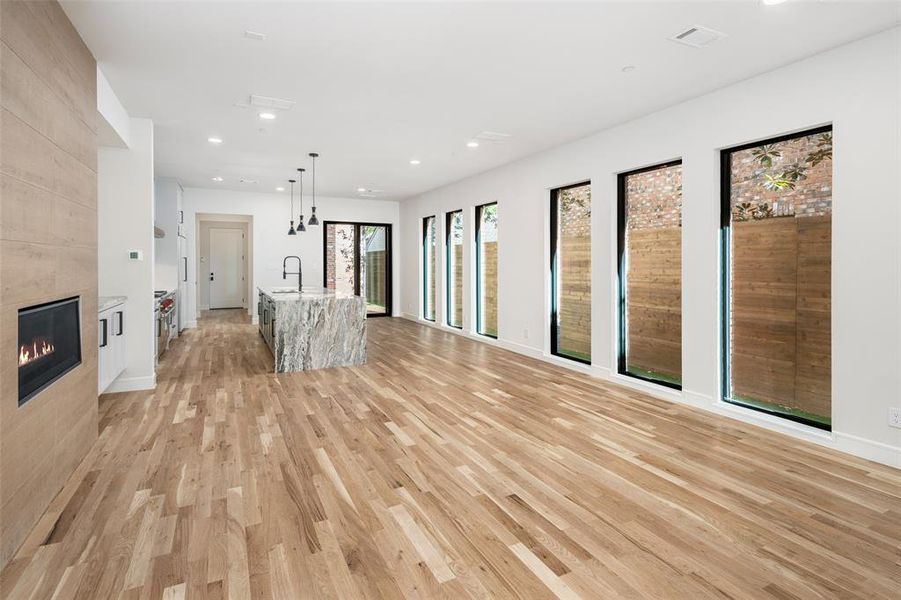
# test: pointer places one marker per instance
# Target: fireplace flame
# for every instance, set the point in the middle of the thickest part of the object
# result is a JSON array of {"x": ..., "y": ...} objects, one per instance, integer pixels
[{"x": 37, "y": 350}]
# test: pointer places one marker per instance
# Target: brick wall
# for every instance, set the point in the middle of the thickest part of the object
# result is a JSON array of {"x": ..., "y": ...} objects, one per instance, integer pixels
[
  {"x": 654, "y": 198},
  {"x": 812, "y": 195}
]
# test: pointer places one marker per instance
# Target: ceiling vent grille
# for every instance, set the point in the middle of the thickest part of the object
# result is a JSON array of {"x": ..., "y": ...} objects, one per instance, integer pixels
[
  {"x": 270, "y": 102},
  {"x": 255, "y": 35},
  {"x": 493, "y": 137},
  {"x": 698, "y": 36}
]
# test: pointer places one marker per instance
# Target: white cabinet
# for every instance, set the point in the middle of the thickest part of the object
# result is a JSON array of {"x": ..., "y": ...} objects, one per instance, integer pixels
[{"x": 111, "y": 327}]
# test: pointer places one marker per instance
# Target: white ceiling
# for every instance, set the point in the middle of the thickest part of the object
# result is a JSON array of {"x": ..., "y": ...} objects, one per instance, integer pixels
[{"x": 377, "y": 84}]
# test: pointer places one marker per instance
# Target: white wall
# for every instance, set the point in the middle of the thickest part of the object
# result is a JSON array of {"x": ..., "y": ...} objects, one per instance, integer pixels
[
  {"x": 166, "y": 248},
  {"x": 124, "y": 223},
  {"x": 114, "y": 123},
  {"x": 271, "y": 242},
  {"x": 856, "y": 88}
]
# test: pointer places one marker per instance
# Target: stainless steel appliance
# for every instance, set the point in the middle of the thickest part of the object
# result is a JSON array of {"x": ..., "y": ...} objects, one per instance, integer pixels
[{"x": 164, "y": 314}]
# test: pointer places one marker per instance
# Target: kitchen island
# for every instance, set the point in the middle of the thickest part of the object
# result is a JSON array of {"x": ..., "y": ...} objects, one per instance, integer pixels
[{"x": 317, "y": 328}]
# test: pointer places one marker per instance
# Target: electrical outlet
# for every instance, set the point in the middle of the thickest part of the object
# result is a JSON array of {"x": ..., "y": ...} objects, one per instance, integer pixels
[
  {"x": 894, "y": 416},
  {"x": 525, "y": 334}
]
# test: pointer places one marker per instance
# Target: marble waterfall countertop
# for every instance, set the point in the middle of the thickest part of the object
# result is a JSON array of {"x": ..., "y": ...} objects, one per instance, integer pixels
[{"x": 313, "y": 329}]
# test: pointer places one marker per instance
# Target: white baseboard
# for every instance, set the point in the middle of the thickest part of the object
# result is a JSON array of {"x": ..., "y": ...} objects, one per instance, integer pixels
[
  {"x": 132, "y": 384},
  {"x": 868, "y": 449},
  {"x": 862, "y": 448},
  {"x": 191, "y": 325}
]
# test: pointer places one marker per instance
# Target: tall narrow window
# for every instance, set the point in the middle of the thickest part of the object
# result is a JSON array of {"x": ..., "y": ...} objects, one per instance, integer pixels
[
  {"x": 777, "y": 239},
  {"x": 571, "y": 272},
  {"x": 486, "y": 269},
  {"x": 454, "y": 258},
  {"x": 650, "y": 274},
  {"x": 428, "y": 268}
]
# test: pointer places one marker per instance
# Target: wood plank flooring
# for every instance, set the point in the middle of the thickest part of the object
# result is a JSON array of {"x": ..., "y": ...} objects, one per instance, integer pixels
[{"x": 445, "y": 468}]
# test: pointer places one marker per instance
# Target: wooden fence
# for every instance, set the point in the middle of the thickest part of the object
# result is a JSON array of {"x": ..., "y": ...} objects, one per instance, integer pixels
[
  {"x": 781, "y": 312},
  {"x": 654, "y": 302}
]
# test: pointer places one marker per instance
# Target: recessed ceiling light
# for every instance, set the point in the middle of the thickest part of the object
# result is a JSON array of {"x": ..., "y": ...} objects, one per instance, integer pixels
[
  {"x": 628, "y": 68},
  {"x": 214, "y": 140},
  {"x": 772, "y": 2},
  {"x": 245, "y": 180},
  {"x": 217, "y": 179},
  {"x": 472, "y": 144},
  {"x": 279, "y": 189},
  {"x": 415, "y": 162},
  {"x": 268, "y": 116},
  {"x": 361, "y": 190}
]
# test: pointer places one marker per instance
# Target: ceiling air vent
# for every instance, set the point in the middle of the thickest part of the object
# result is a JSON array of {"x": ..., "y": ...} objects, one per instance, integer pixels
[
  {"x": 698, "y": 36},
  {"x": 270, "y": 102},
  {"x": 493, "y": 136},
  {"x": 255, "y": 35}
]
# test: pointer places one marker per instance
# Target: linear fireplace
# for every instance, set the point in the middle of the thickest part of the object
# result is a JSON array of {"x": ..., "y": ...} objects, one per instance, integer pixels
[{"x": 49, "y": 344}]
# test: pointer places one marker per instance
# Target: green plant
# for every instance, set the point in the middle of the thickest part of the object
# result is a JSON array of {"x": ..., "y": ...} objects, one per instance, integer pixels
[
  {"x": 765, "y": 154},
  {"x": 789, "y": 177}
]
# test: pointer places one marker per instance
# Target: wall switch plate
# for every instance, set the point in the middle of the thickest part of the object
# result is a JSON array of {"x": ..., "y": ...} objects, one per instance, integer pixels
[
  {"x": 894, "y": 416},
  {"x": 136, "y": 255}
]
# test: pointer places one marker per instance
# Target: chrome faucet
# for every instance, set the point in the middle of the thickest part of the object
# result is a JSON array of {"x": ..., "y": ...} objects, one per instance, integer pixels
[{"x": 299, "y": 272}]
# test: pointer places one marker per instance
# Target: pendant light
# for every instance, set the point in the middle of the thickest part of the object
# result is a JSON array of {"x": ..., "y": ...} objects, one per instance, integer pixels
[
  {"x": 291, "y": 231},
  {"x": 300, "y": 226},
  {"x": 313, "y": 220}
]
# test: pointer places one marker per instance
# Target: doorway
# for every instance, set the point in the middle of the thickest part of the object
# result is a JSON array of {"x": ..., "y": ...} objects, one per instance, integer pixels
[
  {"x": 226, "y": 273},
  {"x": 357, "y": 258}
]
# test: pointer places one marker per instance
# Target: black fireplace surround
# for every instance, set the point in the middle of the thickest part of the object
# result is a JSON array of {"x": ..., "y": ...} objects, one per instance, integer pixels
[{"x": 49, "y": 344}]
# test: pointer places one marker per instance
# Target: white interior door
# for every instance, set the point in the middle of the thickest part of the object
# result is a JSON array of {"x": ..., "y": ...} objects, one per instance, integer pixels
[{"x": 226, "y": 268}]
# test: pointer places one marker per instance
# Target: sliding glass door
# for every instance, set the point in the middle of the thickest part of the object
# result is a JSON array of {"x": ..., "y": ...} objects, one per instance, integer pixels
[
  {"x": 454, "y": 263},
  {"x": 650, "y": 274},
  {"x": 357, "y": 258},
  {"x": 777, "y": 241},
  {"x": 571, "y": 272},
  {"x": 428, "y": 268}
]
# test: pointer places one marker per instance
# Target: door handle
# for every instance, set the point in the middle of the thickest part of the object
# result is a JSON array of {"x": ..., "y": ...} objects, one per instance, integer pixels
[
  {"x": 185, "y": 258},
  {"x": 121, "y": 316},
  {"x": 104, "y": 327}
]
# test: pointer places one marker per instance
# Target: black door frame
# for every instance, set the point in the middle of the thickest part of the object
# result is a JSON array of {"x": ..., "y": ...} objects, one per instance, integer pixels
[
  {"x": 478, "y": 252},
  {"x": 555, "y": 202},
  {"x": 726, "y": 275},
  {"x": 426, "y": 266},
  {"x": 389, "y": 279},
  {"x": 448, "y": 217},
  {"x": 621, "y": 367}
]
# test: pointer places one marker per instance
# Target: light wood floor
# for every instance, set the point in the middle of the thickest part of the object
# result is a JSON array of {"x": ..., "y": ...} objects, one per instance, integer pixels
[{"x": 446, "y": 469}]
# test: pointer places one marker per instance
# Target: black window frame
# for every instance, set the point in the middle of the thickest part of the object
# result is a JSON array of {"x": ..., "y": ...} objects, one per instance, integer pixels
[
  {"x": 726, "y": 273},
  {"x": 389, "y": 275},
  {"x": 478, "y": 249},
  {"x": 448, "y": 216},
  {"x": 425, "y": 266},
  {"x": 554, "y": 275},
  {"x": 621, "y": 190}
]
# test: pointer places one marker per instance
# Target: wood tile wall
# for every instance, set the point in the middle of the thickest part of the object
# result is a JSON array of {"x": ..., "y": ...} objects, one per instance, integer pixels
[{"x": 48, "y": 249}]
